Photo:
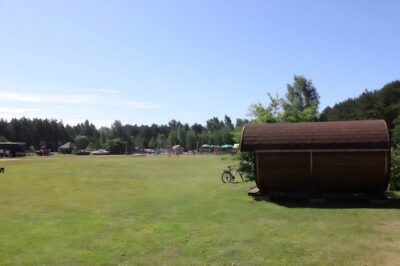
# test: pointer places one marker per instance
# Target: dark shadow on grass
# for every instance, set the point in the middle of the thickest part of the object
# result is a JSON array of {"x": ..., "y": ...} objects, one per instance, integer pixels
[
  {"x": 239, "y": 181},
  {"x": 388, "y": 201}
]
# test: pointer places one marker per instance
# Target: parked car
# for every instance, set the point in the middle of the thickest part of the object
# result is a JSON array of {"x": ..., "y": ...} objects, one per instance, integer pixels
[
  {"x": 149, "y": 151},
  {"x": 101, "y": 152},
  {"x": 83, "y": 152},
  {"x": 44, "y": 151}
]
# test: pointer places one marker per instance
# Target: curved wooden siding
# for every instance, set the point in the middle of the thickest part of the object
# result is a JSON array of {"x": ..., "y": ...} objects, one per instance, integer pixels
[
  {"x": 349, "y": 156},
  {"x": 363, "y": 134}
]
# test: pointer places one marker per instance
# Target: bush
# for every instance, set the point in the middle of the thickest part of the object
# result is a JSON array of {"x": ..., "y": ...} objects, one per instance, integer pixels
[
  {"x": 81, "y": 142},
  {"x": 115, "y": 146},
  {"x": 394, "y": 183},
  {"x": 247, "y": 164}
]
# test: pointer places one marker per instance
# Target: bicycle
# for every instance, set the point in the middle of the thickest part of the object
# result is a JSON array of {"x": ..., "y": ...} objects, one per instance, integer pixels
[{"x": 229, "y": 175}]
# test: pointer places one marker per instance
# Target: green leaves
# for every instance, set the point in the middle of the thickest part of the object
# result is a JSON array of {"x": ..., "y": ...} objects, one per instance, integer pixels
[
  {"x": 81, "y": 142},
  {"x": 377, "y": 104},
  {"x": 300, "y": 105},
  {"x": 394, "y": 182}
]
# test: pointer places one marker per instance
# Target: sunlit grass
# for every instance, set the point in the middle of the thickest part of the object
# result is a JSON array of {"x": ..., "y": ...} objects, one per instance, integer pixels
[{"x": 173, "y": 211}]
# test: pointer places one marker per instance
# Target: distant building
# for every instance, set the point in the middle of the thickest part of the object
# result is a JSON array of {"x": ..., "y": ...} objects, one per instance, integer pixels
[
  {"x": 66, "y": 148},
  {"x": 12, "y": 149}
]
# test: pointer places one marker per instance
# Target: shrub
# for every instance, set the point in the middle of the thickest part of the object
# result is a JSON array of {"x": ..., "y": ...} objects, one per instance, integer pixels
[
  {"x": 81, "y": 142},
  {"x": 247, "y": 164},
  {"x": 394, "y": 183},
  {"x": 115, "y": 146}
]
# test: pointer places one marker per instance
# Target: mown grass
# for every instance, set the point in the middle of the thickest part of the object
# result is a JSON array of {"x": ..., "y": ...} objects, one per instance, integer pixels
[{"x": 173, "y": 211}]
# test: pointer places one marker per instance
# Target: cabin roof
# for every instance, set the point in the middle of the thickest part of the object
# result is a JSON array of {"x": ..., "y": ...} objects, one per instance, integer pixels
[
  {"x": 12, "y": 143},
  {"x": 68, "y": 145},
  {"x": 336, "y": 135}
]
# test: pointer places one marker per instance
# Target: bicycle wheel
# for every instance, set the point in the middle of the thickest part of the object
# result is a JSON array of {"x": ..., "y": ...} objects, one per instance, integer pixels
[{"x": 226, "y": 177}]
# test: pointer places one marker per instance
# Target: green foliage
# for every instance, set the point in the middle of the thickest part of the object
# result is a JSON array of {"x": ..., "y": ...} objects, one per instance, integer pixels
[
  {"x": 173, "y": 137},
  {"x": 181, "y": 136},
  {"x": 191, "y": 140},
  {"x": 246, "y": 159},
  {"x": 228, "y": 122},
  {"x": 81, "y": 142},
  {"x": 302, "y": 101},
  {"x": 247, "y": 164},
  {"x": 161, "y": 141},
  {"x": 153, "y": 142},
  {"x": 300, "y": 105},
  {"x": 91, "y": 146},
  {"x": 269, "y": 114},
  {"x": 52, "y": 133},
  {"x": 394, "y": 183},
  {"x": 396, "y": 136},
  {"x": 214, "y": 124},
  {"x": 197, "y": 128},
  {"x": 301, "y": 95},
  {"x": 140, "y": 141},
  {"x": 3, "y": 139},
  {"x": 115, "y": 146},
  {"x": 308, "y": 114},
  {"x": 377, "y": 104}
]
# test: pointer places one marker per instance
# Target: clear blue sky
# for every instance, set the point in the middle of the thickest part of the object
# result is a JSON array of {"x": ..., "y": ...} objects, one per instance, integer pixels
[{"x": 152, "y": 61}]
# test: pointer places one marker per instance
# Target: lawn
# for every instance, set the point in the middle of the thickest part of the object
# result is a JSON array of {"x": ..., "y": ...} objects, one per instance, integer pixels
[{"x": 124, "y": 210}]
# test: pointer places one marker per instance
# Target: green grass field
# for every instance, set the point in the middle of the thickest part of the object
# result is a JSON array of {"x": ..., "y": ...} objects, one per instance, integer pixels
[{"x": 124, "y": 210}]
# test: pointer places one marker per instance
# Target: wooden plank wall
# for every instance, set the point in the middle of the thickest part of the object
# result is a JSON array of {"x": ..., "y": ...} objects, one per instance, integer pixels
[{"x": 322, "y": 171}]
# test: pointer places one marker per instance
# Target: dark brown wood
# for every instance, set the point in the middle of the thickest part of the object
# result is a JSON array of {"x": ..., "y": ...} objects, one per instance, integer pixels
[
  {"x": 332, "y": 157},
  {"x": 287, "y": 172},
  {"x": 365, "y": 134},
  {"x": 323, "y": 150},
  {"x": 350, "y": 172},
  {"x": 322, "y": 172}
]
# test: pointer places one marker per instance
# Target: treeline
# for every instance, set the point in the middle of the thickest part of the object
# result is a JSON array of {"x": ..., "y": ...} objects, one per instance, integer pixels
[
  {"x": 300, "y": 104},
  {"x": 377, "y": 104},
  {"x": 120, "y": 138}
]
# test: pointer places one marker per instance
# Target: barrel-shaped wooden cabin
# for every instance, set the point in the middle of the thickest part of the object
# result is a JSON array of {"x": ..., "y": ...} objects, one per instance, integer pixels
[{"x": 320, "y": 157}]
